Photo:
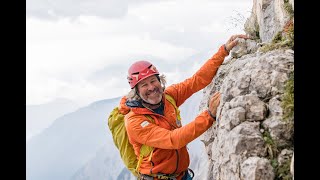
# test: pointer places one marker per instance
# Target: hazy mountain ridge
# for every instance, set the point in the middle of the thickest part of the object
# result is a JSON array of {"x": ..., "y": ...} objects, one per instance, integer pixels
[
  {"x": 61, "y": 149},
  {"x": 79, "y": 145},
  {"x": 41, "y": 116},
  {"x": 98, "y": 167}
]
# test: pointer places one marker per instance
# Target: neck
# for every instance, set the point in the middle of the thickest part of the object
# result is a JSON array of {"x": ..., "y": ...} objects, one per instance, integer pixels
[{"x": 151, "y": 106}]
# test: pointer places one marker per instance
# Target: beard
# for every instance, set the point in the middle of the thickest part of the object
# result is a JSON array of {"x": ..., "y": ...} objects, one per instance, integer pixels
[{"x": 153, "y": 97}]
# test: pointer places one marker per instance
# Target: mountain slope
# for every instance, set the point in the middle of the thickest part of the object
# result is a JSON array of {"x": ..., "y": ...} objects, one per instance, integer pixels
[
  {"x": 109, "y": 166},
  {"x": 79, "y": 145},
  {"x": 69, "y": 142},
  {"x": 39, "y": 117}
]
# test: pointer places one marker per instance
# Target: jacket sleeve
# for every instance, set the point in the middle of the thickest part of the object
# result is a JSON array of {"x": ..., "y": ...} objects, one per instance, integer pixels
[
  {"x": 141, "y": 130},
  {"x": 203, "y": 77}
]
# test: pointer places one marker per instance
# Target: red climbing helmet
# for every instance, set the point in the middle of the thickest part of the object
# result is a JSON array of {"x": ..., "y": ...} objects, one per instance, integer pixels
[{"x": 139, "y": 71}]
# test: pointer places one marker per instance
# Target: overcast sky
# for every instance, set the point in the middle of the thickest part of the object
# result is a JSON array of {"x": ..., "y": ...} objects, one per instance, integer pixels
[{"x": 82, "y": 51}]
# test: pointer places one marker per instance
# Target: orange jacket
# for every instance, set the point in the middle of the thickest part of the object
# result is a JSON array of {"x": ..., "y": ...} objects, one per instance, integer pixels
[{"x": 170, "y": 155}]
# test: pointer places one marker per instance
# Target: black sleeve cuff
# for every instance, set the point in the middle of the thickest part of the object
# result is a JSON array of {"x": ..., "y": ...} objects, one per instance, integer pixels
[
  {"x": 225, "y": 48},
  {"x": 214, "y": 117}
]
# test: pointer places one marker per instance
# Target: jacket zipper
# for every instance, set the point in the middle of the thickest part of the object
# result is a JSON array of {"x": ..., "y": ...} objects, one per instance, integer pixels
[
  {"x": 172, "y": 126},
  {"x": 153, "y": 113},
  {"x": 177, "y": 161}
]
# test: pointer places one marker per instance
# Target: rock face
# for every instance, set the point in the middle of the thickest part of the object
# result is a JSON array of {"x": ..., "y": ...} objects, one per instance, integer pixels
[
  {"x": 251, "y": 139},
  {"x": 268, "y": 17}
]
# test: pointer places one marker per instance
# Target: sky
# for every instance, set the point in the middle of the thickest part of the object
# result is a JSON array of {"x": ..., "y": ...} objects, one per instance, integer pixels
[{"x": 81, "y": 52}]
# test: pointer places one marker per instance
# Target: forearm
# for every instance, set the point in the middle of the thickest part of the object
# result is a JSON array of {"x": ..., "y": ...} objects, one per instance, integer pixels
[
  {"x": 178, "y": 138},
  {"x": 203, "y": 77},
  {"x": 207, "y": 72},
  {"x": 182, "y": 136}
]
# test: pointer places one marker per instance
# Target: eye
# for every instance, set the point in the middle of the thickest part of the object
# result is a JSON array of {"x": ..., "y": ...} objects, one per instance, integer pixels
[{"x": 153, "y": 80}]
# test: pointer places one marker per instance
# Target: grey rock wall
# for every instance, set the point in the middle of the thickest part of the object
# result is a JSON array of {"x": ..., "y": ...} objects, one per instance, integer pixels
[
  {"x": 251, "y": 89},
  {"x": 268, "y": 17},
  {"x": 251, "y": 140}
]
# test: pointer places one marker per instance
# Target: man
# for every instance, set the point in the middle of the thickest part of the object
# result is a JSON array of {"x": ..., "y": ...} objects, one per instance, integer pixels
[{"x": 165, "y": 134}]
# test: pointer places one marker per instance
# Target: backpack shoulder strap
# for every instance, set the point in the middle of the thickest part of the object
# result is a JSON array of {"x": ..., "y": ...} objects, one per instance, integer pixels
[
  {"x": 173, "y": 102},
  {"x": 149, "y": 117}
]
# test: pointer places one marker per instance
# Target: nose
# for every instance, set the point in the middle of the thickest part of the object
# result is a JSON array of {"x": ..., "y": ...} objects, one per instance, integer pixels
[{"x": 151, "y": 87}]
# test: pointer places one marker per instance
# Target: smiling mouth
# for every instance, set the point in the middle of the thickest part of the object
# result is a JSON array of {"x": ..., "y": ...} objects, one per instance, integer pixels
[{"x": 153, "y": 93}]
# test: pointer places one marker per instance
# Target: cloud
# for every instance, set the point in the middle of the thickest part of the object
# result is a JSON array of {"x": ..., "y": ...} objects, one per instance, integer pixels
[
  {"x": 53, "y": 9},
  {"x": 63, "y": 53},
  {"x": 188, "y": 23},
  {"x": 86, "y": 57}
]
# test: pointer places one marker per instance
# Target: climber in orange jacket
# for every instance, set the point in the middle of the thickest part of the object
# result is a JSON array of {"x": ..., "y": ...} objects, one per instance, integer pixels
[{"x": 166, "y": 134}]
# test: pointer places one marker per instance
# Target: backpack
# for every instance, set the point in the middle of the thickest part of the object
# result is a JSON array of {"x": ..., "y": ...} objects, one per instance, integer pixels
[{"x": 120, "y": 138}]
